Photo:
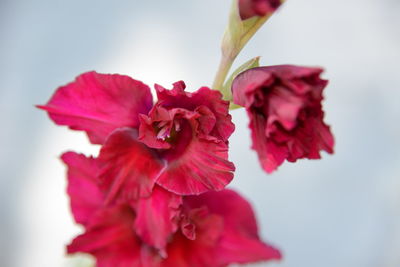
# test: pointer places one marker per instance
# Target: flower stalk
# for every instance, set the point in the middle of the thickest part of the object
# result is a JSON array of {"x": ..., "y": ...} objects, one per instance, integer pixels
[
  {"x": 223, "y": 70},
  {"x": 237, "y": 34}
]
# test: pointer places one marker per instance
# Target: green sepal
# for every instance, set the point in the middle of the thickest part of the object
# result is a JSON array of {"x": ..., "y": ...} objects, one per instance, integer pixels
[
  {"x": 233, "y": 106},
  {"x": 252, "y": 63}
]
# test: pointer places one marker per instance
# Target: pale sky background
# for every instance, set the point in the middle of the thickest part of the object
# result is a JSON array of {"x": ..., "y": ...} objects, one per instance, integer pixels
[{"x": 342, "y": 211}]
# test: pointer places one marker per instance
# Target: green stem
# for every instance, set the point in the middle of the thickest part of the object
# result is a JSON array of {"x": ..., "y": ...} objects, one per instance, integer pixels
[
  {"x": 236, "y": 36},
  {"x": 228, "y": 57},
  {"x": 223, "y": 70}
]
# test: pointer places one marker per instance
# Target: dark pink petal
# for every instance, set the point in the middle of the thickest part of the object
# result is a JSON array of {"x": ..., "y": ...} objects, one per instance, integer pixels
[
  {"x": 284, "y": 107},
  {"x": 311, "y": 138},
  {"x": 209, "y": 227},
  {"x": 246, "y": 87},
  {"x": 251, "y": 8},
  {"x": 129, "y": 168},
  {"x": 206, "y": 123},
  {"x": 110, "y": 238},
  {"x": 163, "y": 128},
  {"x": 236, "y": 211},
  {"x": 286, "y": 117},
  {"x": 200, "y": 252},
  {"x": 201, "y": 167},
  {"x": 149, "y": 136},
  {"x": 238, "y": 248},
  {"x": 85, "y": 195},
  {"x": 212, "y": 99},
  {"x": 157, "y": 218},
  {"x": 190, "y": 132},
  {"x": 239, "y": 242},
  {"x": 270, "y": 154},
  {"x": 99, "y": 103}
]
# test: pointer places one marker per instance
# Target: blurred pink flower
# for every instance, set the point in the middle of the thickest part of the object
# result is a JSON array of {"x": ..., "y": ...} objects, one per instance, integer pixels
[
  {"x": 164, "y": 229},
  {"x": 251, "y": 8},
  {"x": 155, "y": 216},
  {"x": 286, "y": 117}
]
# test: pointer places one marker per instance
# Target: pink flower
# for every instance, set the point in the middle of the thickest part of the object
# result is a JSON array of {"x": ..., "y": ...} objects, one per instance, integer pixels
[
  {"x": 190, "y": 131},
  {"x": 286, "y": 117},
  {"x": 155, "y": 216},
  {"x": 180, "y": 143},
  {"x": 251, "y": 8},
  {"x": 164, "y": 229}
]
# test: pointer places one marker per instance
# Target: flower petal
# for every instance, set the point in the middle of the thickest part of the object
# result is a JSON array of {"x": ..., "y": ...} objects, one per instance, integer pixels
[
  {"x": 156, "y": 218},
  {"x": 284, "y": 108},
  {"x": 236, "y": 211},
  {"x": 202, "y": 167},
  {"x": 110, "y": 238},
  {"x": 129, "y": 168},
  {"x": 190, "y": 131},
  {"x": 270, "y": 154},
  {"x": 99, "y": 103},
  {"x": 238, "y": 248},
  {"x": 311, "y": 137},
  {"x": 212, "y": 99},
  {"x": 286, "y": 117},
  {"x": 239, "y": 242},
  {"x": 85, "y": 195},
  {"x": 200, "y": 252}
]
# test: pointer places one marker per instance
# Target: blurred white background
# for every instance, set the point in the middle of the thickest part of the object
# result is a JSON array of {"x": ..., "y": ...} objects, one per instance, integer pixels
[{"x": 341, "y": 211}]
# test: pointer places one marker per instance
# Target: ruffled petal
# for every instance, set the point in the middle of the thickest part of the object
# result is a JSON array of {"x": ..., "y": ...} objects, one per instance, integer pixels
[
  {"x": 311, "y": 137},
  {"x": 212, "y": 99},
  {"x": 99, "y": 103},
  {"x": 190, "y": 132},
  {"x": 286, "y": 117},
  {"x": 129, "y": 168},
  {"x": 202, "y": 167},
  {"x": 157, "y": 218},
  {"x": 83, "y": 189},
  {"x": 163, "y": 128}
]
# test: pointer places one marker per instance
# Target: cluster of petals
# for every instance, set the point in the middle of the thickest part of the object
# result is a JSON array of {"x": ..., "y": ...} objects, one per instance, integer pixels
[
  {"x": 154, "y": 196},
  {"x": 251, "y": 8},
  {"x": 164, "y": 229},
  {"x": 286, "y": 118},
  {"x": 179, "y": 143}
]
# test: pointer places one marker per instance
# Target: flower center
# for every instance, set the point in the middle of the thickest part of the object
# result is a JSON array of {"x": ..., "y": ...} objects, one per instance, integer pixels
[{"x": 168, "y": 130}]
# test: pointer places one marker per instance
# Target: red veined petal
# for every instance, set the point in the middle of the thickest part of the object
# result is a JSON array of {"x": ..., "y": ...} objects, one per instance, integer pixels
[{"x": 99, "y": 103}]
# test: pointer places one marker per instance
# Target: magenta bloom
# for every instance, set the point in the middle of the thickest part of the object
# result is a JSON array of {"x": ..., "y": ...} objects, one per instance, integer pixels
[
  {"x": 286, "y": 117},
  {"x": 251, "y": 8},
  {"x": 190, "y": 131},
  {"x": 164, "y": 229},
  {"x": 155, "y": 216},
  {"x": 180, "y": 143}
]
